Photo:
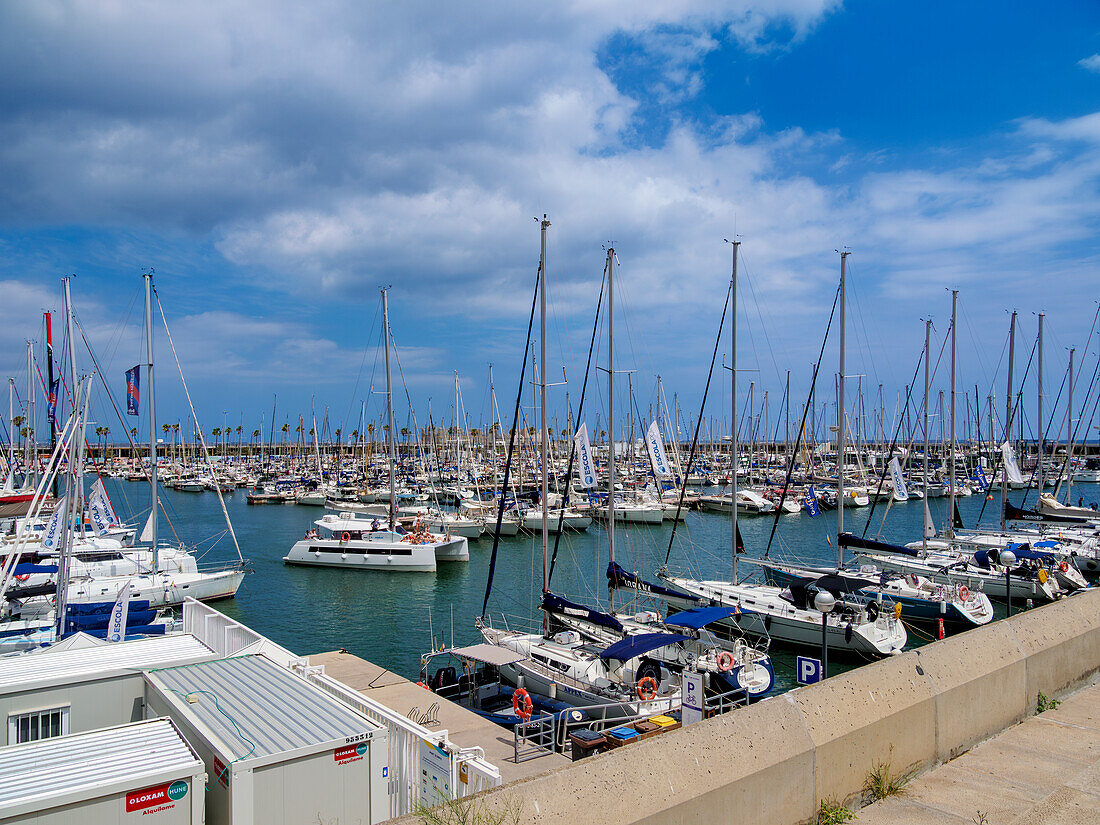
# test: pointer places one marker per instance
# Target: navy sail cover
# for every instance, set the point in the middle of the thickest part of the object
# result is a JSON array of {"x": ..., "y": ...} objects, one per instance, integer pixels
[
  {"x": 699, "y": 617},
  {"x": 552, "y": 603},
  {"x": 852, "y": 540},
  {"x": 633, "y": 646},
  {"x": 619, "y": 578}
]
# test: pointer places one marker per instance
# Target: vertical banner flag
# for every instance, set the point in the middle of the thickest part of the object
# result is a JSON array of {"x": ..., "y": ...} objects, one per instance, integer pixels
[
  {"x": 147, "y": 530},
  {"x": 116, "y": 626},
  {"x": 586, "y": 468},
  {"x": 51, "y": 404},
  {"x": 812, "y": 507},
  {"x": 901, "y": 492},
  {"x": 101, "y": 513},
  {"x": 1012, "y": 469},
  {"x": 980, "y": 473},
  {"x": 52, "y": 537},
  {"x": 656, "y": 446},
  {"x": 133, "y": 381}
]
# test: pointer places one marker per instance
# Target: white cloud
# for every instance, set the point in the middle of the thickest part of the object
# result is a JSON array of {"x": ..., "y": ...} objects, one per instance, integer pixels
[{"x": 1090, "y": 63}]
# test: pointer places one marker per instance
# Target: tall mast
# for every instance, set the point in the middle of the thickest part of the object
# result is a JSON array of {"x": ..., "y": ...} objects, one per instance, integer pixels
[
  {"x": 611, "y": 410},
  {"x": 389, "y": 411},
  {"x": 152, "y": 404},
  {"x": 1008, "y": 412},
  {"x": 544, "y": 435},
  {"x": 924, "y": 486},
  {"x": 840, "y": 416},
  {"x": 51, "y": 397},
  {"x": 1041, "y": 425},
  {"x": 29, "y": 451},
  {"x": 734, "y": 457},
  {"x": 1069, "y": 430},
  {"x": 950, "y": 531}
]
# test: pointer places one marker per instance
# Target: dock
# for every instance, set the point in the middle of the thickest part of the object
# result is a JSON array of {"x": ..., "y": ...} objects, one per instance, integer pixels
[{"x": 464, "y": 727}]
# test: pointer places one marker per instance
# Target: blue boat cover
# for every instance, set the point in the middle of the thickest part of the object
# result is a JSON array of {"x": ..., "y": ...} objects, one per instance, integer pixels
[
  {"x": 1024, "y": 551},
  {"x": 99, "y": 620},
  {"x": 617, "y": 577},
  {"x": 634, "y": 646},
  {"x": 699, "y": 617},
  {"x": 556, "y": 604},
  {"x": 91, "y": 608},
  {"x": 25, "y": 569},
  {"x": 851, "y": 540}
]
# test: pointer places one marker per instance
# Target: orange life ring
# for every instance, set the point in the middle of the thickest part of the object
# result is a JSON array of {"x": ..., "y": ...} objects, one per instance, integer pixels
[
  {"x": 522, "y": 704},
  {"x": 1063, "y": 566},
  {"x": 964, "y": 593},
  {"x": 644, "y": 693},
  {"x": 421, "y": 684},
  {"x": 345, "y": 536},
  {"x": 725, "y": 661}
]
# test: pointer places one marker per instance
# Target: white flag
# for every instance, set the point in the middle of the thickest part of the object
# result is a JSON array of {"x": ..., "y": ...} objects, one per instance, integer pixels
[
  {"x": 901, "y": 492},
  {"x": 100, "y": 512},
  {"x": 51, "y": 539},
  {"x": 147, "y": 530},
  {"x": 116, "y": 627},
  {"x": 1012, "y": 469},
  {"x": 929, "y": 525},
  {"x": 586, "y": 467},
  {"x": 656, "y": 446}
]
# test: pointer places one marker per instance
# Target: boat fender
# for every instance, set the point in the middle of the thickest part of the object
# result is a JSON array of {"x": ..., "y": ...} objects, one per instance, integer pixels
[
  {"x": 725, "y": 662},
  {"x": 647, "y": 688},
  {"x": 522, "y": 704},
  {"x": 1043, "y": 576},
  {"x": 897, "y": 610},
  {"x": 1063, "y": 566},
  {"x": 345, "y": 536},
  {"x": 964, "y": 593},
  {"x": 848, "y": 633}
]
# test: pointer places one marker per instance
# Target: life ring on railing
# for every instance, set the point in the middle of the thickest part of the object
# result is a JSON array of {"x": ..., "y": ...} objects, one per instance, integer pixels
[
  {"x": 522, "y": 704},
  {"x": 964, "y": 593},
  {"x": 345, "y": 536},
  {"x": 647, "y": 688},
  {"x": 1063, "y": 566},
  {"x": 23, "y": 576},
  {"x": 725, "y": 661}
]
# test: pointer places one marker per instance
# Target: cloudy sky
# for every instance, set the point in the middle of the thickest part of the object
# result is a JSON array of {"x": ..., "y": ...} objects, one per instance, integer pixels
[{"x": 276, "y": 163}]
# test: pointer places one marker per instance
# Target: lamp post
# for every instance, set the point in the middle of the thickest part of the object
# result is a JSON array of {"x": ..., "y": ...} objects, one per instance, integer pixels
[
  {"x": 1008, "y": 558},
  {"x": 824, "y": 602}
]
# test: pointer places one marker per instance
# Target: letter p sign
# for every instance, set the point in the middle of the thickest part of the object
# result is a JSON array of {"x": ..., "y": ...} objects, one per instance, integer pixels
[{"x": 808, "y": 670}]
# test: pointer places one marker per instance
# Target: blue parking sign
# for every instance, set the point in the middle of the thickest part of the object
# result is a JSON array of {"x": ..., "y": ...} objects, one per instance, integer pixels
[{"x": 808, "y": 670}]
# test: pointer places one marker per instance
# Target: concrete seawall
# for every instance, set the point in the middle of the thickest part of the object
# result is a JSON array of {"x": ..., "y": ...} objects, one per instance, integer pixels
[{"x": 773, "y": 762}]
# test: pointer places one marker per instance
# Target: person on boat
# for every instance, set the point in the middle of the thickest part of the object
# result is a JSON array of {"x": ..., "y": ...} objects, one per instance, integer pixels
[{"x": 374, "y": 526}]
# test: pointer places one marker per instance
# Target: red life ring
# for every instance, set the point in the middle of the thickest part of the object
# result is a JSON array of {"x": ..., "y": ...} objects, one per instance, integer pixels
[
  {"x": 725, "y": 661},
  {"x": 345, "y": 536},
  {"x": 1063, "y": 566},
  {"x": 647, "y": 688},
  {"x": 23, "y": 577},
  {"x": 964, "y": 593},
  {"x": 522, "y": 704}
]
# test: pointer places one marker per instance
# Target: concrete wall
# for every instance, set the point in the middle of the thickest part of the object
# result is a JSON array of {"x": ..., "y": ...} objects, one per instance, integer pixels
[{"x": 773, "y": 762}]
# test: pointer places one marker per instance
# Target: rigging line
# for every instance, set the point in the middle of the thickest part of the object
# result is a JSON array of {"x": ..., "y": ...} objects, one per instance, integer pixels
[
  {"x": 802, "y": 426},
  {"x": 511, "y": 446},
  {"x": 699, "y": 421},
  {"x": 893, "y": 444},
  {"x": 198, "y": 429},
  {"x": 1076, "y": 429},
  {"x": 760, "y": 314},
  {"x": 580, "y": 412},
  {"x": 362, "y": 362},
  {"x": 1046, "y": 433},
  {"x": 1008, "y": 434}
]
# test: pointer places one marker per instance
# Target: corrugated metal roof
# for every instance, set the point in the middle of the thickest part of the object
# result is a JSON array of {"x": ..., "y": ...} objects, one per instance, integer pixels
[
  {"x": 63, "y": 666},
  {"x": 275, "y": 710},
  {"x": 96, "y": 761}
]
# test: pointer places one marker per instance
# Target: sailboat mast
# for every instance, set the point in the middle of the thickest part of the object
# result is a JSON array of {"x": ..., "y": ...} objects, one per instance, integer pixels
[
  {"x": 152, "y": 403},
  {"x": 1069, "y": 430},
  {"x": 951, "y": 458},
  {"x": 1040, "y": 450},
  {"x": 389, "y": 410},
  {"x": 924, "y": 486},
  {"x": 1008, "y": 413},
  {"x": 734, "y": 457},
  {"x": 544, "y": 436},
  {"x": 840, "y": 440},
  {"x": 611, "y": 411}
]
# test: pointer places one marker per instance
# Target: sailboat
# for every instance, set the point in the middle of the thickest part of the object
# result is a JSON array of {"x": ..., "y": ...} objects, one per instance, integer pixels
[
  {"x": 787, "y": 616},
  {"x": 355, "y": 541}
]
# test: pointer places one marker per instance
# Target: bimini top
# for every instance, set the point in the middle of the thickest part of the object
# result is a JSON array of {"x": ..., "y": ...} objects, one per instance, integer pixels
[
  {"x": 49, "y": 667},
  {"x": 52, "y": 772},
  {"x": 489, "y": 654},
  {"x": 257, "y": 708},
  {"x": 633, "y": 646},
  {"x": 699, "y": 617}
]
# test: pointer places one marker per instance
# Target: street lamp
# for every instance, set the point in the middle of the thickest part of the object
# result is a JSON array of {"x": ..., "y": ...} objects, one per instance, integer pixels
[
  {"x": 1008, "y": 558},
  {"x": 824, "y": 602}
]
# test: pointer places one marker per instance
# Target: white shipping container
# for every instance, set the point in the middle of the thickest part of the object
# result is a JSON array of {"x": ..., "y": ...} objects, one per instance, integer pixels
[
  {"x": 277, "y": 748},
  {"x": 143, "y": 772}
]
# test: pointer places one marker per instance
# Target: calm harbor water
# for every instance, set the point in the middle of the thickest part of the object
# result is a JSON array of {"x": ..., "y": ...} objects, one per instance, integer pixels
[{"x": 391, "y": 618}]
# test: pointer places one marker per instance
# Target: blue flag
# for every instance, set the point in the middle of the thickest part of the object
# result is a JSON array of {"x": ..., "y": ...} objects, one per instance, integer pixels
[
  {"x": 133, "y": 380},
  {"x": 51, "y": 406},
  {"x": 812, "y": 507}
]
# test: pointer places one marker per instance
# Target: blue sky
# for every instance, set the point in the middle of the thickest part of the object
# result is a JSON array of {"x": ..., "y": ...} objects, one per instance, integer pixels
[{"x": 277, "y": 163}]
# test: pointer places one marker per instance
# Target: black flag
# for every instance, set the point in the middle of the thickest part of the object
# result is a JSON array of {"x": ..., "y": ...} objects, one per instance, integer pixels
[
  {"x": 957, "y": 521},
  {"x": 740, "y": 541}
]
